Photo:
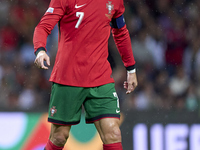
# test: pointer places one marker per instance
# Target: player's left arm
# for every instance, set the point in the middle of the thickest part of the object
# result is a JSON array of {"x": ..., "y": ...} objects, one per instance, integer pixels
[{"x": 123, "y": 42}]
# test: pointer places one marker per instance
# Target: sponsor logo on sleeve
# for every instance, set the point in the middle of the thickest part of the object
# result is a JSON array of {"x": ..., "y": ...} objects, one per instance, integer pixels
[{"x": 50, "y": 10}]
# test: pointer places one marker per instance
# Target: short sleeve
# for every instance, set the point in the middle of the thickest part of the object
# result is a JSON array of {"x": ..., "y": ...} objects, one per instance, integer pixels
[{"x": 120, "y": 10}]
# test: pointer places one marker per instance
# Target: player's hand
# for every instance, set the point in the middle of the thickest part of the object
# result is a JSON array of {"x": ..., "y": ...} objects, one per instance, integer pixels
[
  {"x": 131, "y": 82},
  {"x": 40, "y": 58}
]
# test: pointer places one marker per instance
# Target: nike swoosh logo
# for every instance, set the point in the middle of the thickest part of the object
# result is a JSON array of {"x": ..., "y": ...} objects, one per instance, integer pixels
[
  {"x": 117, "y": 111},
  {"x": 76, "y": 6}
]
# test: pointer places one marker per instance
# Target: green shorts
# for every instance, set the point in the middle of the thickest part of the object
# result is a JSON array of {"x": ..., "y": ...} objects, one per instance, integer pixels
[{"x": 66, "y": 103}]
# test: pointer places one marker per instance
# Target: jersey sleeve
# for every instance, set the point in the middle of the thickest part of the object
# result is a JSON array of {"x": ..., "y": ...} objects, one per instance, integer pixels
[
  {"x": 54, "y": 13},
  {"x": 123, "y": 42},
  {"x": 120, "y": 9},
  {"x": 122, "y": 38}
]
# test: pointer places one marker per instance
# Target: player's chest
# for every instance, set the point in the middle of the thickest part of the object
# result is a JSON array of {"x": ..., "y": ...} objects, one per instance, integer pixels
[{"x": 102, "y": 10}]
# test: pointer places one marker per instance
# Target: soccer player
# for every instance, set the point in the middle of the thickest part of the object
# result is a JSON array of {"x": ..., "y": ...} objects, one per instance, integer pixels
[{"x": 82, "y": 74}]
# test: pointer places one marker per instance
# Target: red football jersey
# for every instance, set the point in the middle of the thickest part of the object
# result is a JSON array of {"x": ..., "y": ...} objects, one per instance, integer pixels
[{"x": 84, "y": 29}]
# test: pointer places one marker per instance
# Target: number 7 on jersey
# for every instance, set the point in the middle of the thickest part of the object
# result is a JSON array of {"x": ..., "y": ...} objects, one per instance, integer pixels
[{"x": 80, "y": 15}]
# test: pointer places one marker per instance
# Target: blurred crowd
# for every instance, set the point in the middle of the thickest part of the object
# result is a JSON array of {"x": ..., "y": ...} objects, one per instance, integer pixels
[{"x": 165, "y": 36}]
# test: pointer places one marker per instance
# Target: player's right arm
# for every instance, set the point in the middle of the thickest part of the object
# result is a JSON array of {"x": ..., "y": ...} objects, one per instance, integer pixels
[{"x": 54, "y": 13}]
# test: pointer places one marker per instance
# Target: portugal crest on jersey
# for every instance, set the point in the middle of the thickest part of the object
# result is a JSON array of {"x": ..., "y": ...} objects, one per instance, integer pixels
[{"x": 110, "y": 7}]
